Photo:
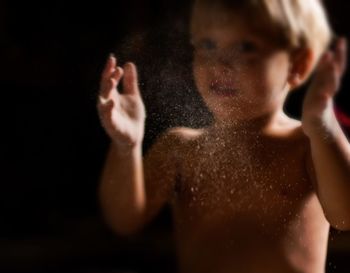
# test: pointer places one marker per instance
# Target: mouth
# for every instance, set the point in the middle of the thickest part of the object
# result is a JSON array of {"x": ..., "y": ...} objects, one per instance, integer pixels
[{"x": 223, "y": 90}]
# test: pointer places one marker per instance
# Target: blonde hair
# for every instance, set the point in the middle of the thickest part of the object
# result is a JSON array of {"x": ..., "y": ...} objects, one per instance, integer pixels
[{"x": 293, "y": 23}]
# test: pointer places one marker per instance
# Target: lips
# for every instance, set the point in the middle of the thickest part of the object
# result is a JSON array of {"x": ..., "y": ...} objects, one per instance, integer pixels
[{"x": 223, "y": 89}]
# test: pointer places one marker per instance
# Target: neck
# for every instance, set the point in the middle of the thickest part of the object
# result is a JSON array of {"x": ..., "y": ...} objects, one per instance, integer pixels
[{"x": 257, "y": 125}]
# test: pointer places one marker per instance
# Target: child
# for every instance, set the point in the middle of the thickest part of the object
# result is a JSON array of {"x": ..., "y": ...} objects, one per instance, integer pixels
[{"x": 256, "y": 190}]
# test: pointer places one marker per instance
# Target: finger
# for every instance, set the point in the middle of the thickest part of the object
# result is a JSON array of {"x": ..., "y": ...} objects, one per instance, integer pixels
[
  {"x": 109, "y": 67},
  {"x": 109, "y": 92},
  {"x": 340, "y": 55},
  {"x": 325, "y": 66},
  {"x": 108, "y": 70},
  {"x": 110, "y": 87},
  {"x": 130, "y": 81},
  {"x": 105, "y": 114},
  {"x": 118, "y": 74},
  {"x": 105, "y": 109},
  {"x": 102, "y": 100},
  {"x": 326, "y": 81}
]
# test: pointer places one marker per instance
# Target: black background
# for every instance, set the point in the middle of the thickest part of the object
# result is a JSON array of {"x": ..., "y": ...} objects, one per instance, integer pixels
[{"x": 52, "y": 54}]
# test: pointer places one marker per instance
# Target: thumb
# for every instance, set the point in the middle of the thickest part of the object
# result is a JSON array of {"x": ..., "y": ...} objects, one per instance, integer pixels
[
  {"x": 325, "y": 80},
  {"x": 130, "y": 80}
]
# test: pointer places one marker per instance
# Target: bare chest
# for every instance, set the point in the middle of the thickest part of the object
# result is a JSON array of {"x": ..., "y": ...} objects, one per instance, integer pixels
[
  {"x": 248, "y": 182},
  {"x": 234, "y": 203}
]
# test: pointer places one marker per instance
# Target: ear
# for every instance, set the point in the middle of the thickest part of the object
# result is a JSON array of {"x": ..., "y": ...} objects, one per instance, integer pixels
[{"x": 301, "y": 64}]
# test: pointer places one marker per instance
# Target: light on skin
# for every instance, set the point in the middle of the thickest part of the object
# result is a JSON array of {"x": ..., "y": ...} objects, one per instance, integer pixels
[
  {"x": 242, "y": 77},
  {"x": 330, "y": 149},
  {"x": 230, "y": 58},
  {"x": 226, "y": 52}
]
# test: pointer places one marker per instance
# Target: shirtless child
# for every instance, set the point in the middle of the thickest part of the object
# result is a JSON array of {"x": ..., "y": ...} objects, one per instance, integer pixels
[{"x": 257, "y": 190}]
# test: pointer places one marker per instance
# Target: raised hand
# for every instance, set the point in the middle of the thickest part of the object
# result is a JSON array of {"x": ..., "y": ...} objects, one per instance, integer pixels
[
  {"x": 318, "y": 113},
  {"x": 121, "y": 115}
]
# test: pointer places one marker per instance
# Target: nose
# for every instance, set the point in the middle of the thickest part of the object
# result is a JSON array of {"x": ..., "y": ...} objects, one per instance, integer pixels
[
  {"x": 225, "y": 63},
  {"x": 226, "y": 59}
]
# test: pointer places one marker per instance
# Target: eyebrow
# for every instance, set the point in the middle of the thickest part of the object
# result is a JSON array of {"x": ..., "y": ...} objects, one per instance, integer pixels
[
  {"x": 193, "y": 40},
  {"x": 255, "y": 40}
]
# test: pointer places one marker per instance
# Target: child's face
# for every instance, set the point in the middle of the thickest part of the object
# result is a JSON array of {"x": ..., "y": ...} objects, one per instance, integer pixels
[{"x": 239, "y": 74}]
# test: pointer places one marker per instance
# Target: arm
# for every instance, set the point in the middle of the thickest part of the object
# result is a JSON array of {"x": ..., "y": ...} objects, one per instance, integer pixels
[
  {"x": 121, "y": 192},
  {"x": 132, "y": 189},
  {"x": 329, "y": 166},
  {"x": 329, "y": 158},
  {"x": 129, "y": 196}
]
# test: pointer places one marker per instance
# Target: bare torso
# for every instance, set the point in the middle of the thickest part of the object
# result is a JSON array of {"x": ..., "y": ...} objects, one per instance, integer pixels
[{"x": 244, "y": 203}]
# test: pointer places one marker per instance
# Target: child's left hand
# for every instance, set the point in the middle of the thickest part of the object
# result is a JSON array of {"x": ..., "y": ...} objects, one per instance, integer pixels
[{"x": 318, "y": 114}]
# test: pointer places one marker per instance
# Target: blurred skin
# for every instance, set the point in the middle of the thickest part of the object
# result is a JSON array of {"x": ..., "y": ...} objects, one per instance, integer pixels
[
  {"x": 250, "y": 72},
  {"x": 253, "y": 191}
]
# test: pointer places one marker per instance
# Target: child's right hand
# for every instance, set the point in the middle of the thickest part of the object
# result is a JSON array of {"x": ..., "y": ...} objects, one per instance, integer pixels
[{"x": 122, "y": 115}]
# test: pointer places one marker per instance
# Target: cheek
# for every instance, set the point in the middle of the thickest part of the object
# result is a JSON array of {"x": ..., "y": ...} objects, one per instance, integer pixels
[
  {"x": 253, "y": 80},
  {"x": 200, "y": 74},
  {"x": 277, "y": 72},
  {"x": 268, "y": 79}
]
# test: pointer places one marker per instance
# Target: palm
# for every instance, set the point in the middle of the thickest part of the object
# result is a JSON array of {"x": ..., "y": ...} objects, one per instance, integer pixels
[
  {"x": 122, "y": 115},
  {"x": 318, "y": 102},
  {"x": 127, "y": 117}
]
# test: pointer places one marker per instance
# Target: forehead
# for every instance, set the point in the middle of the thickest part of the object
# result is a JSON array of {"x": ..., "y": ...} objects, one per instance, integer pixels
[
  {"x": 215, "y": 20},
  {"x": 205, "y": 17}
]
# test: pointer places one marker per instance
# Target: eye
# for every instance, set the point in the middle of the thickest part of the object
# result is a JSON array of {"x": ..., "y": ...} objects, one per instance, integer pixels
[{"x": 246, "y": 47}]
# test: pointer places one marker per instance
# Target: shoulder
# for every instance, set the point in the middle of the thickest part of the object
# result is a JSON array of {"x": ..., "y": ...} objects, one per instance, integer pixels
[
  {"x": 288, "y": 135},
  {"x": 291, "y": 130},
  {"x": 297, "y": 145},
  {"x": 175, "y": 140},
  {"x": 184, "y": 134},
  {"x": 299, "y": 141},
  {"x": 167, "y": 154},
  {"x": 180, "y": 135}
]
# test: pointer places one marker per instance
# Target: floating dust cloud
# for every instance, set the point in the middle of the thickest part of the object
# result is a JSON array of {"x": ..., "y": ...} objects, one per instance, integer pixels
[{"x": 164, "y": 61}]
